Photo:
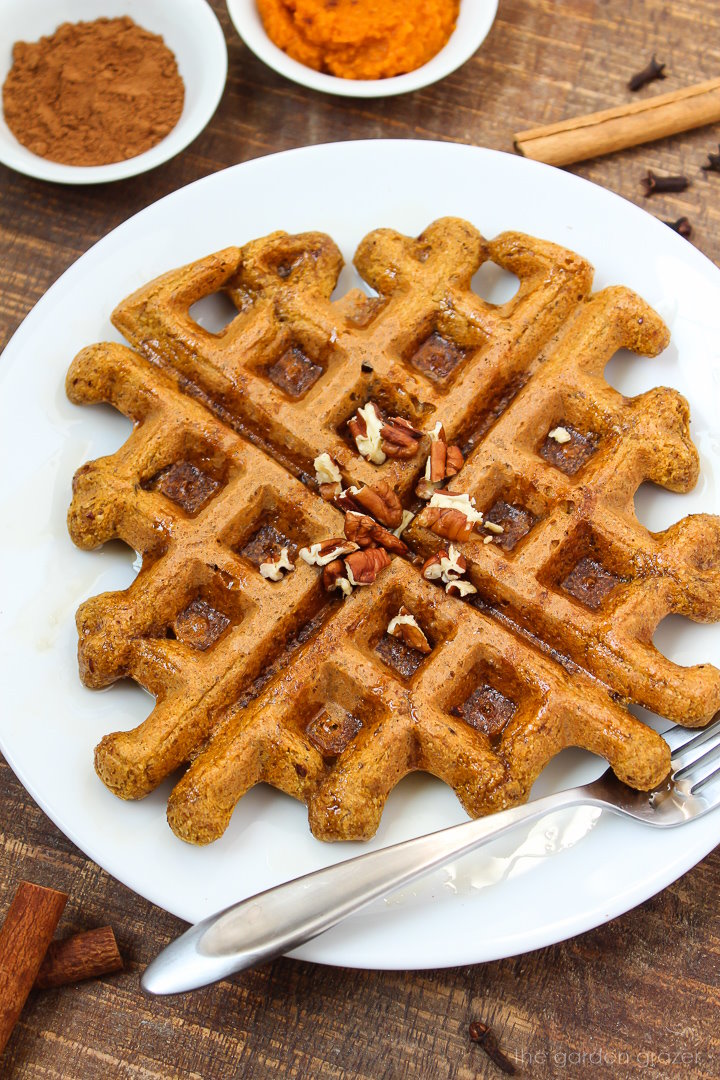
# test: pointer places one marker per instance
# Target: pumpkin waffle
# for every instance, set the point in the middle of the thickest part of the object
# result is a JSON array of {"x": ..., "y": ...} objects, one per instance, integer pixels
[{"x": 279, "y": 681}]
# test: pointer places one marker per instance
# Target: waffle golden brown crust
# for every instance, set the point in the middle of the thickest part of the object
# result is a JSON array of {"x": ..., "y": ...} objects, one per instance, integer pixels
[{"x": 278, "y": 681}]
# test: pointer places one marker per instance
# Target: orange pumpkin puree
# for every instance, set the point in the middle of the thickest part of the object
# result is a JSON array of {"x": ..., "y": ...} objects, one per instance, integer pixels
[{"x": 360, "y": 39}]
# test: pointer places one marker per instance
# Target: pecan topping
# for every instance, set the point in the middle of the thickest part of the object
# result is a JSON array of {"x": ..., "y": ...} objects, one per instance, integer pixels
[
  {"x": 364, "y": 566},
  {"x": 444, "y": 461},
  {"x": 431, "y": 569},
  {"x": 452, "y": 562},
  {"x": 454, "y": 461},
  {"x": 335, "y": 576},
  {"x": 452, "y": 515},
  {"x": 326, "y": 470},
  {"x": 446, "y": 565},
  {"x": 405, "y": 627},
  {"x": 425, "y": 490},
  {"x": 365, "y": 427},
  {"x": 437, "y": 462},
  {"x": 273, "y": 569},
  {"x": 399, "y": 438},
  {"x": 406, "y": 519},
  {"x": 378, "y": 438},
  {"x": 328, "y": 492},
  {"x": 359, "y": 528},
  {"x": 327, "y": 476},
  {"x": 380, "y": 501},
  {"x": 452, "y": 524},
  {"x": 367, "y": 533},
  {"x": 327, "y": 550},
  {"x": 459, "y": 588},
  {"x": 346, "y": 499}
]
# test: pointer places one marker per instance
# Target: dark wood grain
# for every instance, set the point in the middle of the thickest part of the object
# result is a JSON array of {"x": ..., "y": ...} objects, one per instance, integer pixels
[{"x": 637, "y": 997}]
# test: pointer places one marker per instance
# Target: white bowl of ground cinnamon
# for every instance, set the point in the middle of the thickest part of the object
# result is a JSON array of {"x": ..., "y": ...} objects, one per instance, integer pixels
[
  {"x": 372, "y": 48},
  {"x": 101, "y": 90}
]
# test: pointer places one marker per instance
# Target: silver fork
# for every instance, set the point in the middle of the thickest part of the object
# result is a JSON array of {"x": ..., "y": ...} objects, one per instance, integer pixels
[{"x": 282, "y": 918}]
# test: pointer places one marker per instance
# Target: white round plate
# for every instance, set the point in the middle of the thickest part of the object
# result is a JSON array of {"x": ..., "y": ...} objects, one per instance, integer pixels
[
  {"x": 190, "y": 30},
  {"x": 473, "y": 26},
  {"x": 561, "y": 877}
]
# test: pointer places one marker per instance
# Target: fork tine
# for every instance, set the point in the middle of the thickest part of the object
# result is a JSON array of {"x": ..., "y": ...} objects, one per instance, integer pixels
[
  {"x": 709, "y": 757},
  {"x": 714, "y": 775},
  {"x": 679, "y": 742}
]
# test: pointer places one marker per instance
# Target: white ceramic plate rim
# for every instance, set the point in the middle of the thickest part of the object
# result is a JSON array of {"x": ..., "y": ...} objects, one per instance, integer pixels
[
  {"x": 473, "y": 25},
  {"x": 428, "y": 927},
  {"x": 191, "y": 30}
]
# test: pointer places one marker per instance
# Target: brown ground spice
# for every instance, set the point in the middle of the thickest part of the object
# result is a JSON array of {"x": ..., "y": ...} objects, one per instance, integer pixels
[{"x": 93, "y": 92}]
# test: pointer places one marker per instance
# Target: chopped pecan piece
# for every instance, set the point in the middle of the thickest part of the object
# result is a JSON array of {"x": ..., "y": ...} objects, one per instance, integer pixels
[
  {"x": 359, "y": 528},
  {"x": 425, "y": 489},
  {"x": 345, "y": 500},
  {"x": 380, "y": 501},
  {"x": 335, "y": 576},
  {"x": 273, "y": 569},
  {"x": 327, "y": 550},
  {"x": 405, "y": 627},
  {"x": 406, "y": 519},
  {"x": 454, "y": 461},
  {"x": 364, "y": 566},
  {"x": 458, "y": 500},
  {"x": 399, "y": 438},
  {"x": 327, "y": 476},
  {"x": 452, "y": 515},
  {"x": 367, "y": 533},
  {"x": 365, "y": 427},
  {"x": 326, "y": 470},
  {"x": 328, "y": 492},
  {"x": 447, "y": 565},
  {"x": 378, "y": 438},
  {"x": 444, "y": 461},
  {"x": 459, "y": 588},
  {"x": 452, "y": 524},
  {"x": 431, "y": 569},
  {"x": 437, "y": 461}
]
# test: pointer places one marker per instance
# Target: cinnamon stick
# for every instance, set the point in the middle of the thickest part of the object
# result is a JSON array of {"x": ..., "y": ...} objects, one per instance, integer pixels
[
  {"x": 82, "y": 956},
  {"x": 24, "y": 938},
  {"x": 626, "y": 125}
]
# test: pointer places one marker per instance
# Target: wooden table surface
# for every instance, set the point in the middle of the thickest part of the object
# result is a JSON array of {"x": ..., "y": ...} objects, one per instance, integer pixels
[{"x": 638, "y": 996}]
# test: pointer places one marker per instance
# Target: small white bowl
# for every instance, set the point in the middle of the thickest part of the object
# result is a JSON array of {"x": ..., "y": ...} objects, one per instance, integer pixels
[
  {"x": 473, "y": 24},
  {"x": 190, "y": 30}
]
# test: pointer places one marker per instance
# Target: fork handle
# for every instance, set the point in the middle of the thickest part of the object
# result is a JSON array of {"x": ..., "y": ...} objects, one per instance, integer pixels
[{"x": 280, "y": 919}]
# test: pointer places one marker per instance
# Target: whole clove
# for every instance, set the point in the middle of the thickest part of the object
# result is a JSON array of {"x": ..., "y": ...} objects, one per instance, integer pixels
[
  {"x": 713, "y": 164},
  {"x": 654, "y": 185},
  {"x": 485, "y": 1036},
  {"x": 654, "y": 70},
  {"x": 682, "y": 226}
]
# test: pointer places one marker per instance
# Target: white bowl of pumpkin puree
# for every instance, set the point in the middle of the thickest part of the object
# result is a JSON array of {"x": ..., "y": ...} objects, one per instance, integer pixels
[{"x": 363, "y": 48}]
